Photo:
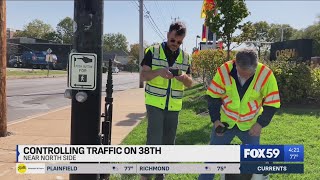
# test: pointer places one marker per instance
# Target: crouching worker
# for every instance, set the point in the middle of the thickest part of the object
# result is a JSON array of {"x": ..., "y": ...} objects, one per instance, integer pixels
[{"x": 242, "y": 99}]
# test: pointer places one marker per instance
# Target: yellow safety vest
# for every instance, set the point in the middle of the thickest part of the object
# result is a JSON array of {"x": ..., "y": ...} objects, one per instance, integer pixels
[
  {"x": 158, "y": 89},
  {"x": 263, "y": 91}
]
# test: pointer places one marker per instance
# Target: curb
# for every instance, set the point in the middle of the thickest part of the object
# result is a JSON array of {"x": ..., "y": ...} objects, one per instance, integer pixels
[
  {"x": 35, "y": 116},
  {"x": 35, "y": 77}
]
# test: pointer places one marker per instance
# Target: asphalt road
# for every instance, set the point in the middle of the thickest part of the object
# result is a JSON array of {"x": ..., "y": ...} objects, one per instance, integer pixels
[{"x": 28, "y": 97}]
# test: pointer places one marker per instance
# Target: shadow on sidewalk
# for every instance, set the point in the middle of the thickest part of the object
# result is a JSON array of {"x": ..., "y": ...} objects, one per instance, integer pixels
[{"x": 133, "y": 119}]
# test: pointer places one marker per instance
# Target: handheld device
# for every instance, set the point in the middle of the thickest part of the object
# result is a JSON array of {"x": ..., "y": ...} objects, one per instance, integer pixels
[
  {"x": 175, "y": 72},
  {"x": 221, "y": 129}
]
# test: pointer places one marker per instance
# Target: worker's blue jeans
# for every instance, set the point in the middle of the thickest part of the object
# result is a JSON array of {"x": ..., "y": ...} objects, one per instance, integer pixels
[{"x": 226, "y": 139}]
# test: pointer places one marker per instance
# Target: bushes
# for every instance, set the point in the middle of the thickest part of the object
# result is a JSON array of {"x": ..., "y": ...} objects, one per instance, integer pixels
[
  {"x": 206, "y": 62},
  {"x": 298, "y": 82},
  {"x": 315, "y": 86},
  {"x": 131, "y": 67}
]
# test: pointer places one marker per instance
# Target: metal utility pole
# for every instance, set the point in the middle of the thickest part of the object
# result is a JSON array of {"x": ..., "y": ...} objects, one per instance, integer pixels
[
  {"x": 86, "y": 115},
  {"x": 197, "y": 37},
  {"x": 141, "y": 54},
  {"x": 3, "y": 65},
  {"x": 282, "y": 31},
  {"x": 282, "y": 34}
]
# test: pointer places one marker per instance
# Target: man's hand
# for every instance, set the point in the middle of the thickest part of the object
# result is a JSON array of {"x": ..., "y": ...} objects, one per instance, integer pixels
[
  {"x": 216, "y": 124},
  {"x": 181, "y": 78},
  {"x": 165, "y": 73},
  {"x": 147, "y": 74},
  {"x": 185, "y": 79},
  {"x": 255, "y": 130}
]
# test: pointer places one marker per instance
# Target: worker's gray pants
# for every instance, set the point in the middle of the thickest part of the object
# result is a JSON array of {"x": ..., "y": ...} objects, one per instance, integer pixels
[{"x": 162, "y": 126}]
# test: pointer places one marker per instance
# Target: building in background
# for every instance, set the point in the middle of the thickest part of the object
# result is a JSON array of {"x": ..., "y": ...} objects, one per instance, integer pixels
[
  {"x": 11, "y": 32},
  {"x": 18, "y": 45},
  {"x": 300, "y": 49},
  {"x": 119, "y": 59}
]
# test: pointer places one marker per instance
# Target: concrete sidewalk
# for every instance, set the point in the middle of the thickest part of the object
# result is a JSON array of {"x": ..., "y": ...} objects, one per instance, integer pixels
[{"x": 54, "y": 128}]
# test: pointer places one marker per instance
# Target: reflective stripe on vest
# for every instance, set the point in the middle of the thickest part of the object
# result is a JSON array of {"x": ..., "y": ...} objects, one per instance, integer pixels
[
  {"x": 159, "y": 62},
  {"x": 224, "y": 74},
  {"x": 226, "y": 100},
  {"x": 185, "y": 64},
  {"x": 242, "y": 118},
  {"x": 254, "y": 110},
  {"x": 216, "y": 88},
  {"x": 183, "y": 67},
  {"x": 155, "y": 59},
  {"x": 231, "y": 115},
  {"x": 262, "y": 78},
  {"x": 156, "y": 51},
  {"x": 253, "y": 105},
  {"x": 156, "y": 91},
  {"x": 176, "y": 94},
  {"x": 271, "y": 98}
]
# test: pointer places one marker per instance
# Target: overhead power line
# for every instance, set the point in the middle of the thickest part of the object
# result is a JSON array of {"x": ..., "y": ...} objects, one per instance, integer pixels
[
  {"x": 149, "y": 16},
  {"x": 150, "y": 21}
]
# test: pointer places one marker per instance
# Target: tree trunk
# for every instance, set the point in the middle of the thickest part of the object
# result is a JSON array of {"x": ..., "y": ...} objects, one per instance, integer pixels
[
  {"x": 3, "y": 65},
  {"x": 228, "y": 50},
  {"x": 204, "y": 77},
  {"x": 259, "y": 52}
]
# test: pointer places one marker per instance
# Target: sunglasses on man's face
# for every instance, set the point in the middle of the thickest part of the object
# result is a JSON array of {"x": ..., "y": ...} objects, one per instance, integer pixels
[{"x": 173, "y": 41}]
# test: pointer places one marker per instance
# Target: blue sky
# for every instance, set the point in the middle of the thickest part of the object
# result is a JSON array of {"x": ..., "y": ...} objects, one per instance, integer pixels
[{"x": 122, "y": 16}]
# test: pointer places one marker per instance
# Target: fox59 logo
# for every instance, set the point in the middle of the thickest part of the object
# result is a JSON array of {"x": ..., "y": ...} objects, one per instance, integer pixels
[{"x": 261, "y": 153}]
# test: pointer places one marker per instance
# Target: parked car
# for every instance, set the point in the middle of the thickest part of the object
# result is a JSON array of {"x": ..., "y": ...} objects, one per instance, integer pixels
[
  {"x": 115, "y": 70},
  {"x": 15, "y": 61}
]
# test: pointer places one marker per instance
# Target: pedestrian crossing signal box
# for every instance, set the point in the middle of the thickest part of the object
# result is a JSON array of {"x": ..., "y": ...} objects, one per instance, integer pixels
[{"x": 82, "y": 71}]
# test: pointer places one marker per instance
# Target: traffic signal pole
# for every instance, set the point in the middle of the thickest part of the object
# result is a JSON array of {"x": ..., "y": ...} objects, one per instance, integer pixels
[{"x": 85, "y": 116}]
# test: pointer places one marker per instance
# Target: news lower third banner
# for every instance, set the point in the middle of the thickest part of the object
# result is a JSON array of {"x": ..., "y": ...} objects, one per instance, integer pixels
[
  {"x": 273, "y": 153},
  {"x": 166, "y": 153},
  {"x": 100, "y": 153},
  {"x": 152, "y": 168}
]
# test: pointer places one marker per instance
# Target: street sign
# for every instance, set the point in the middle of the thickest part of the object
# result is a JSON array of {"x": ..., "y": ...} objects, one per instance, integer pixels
[
  {"x": 82, "y": 71},
  {"x": 209, "y": 45},
  {"x": 49, "y": 58},
  {"x": 49, "y": 51}
]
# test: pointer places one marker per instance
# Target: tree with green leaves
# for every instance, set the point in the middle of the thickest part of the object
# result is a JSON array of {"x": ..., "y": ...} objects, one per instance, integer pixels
[
  {"x": 36, "y": 29},
  {"x": 262, "y": 31},
  {"x": 51, "y": 36},
  {"x": 65, "y": 30},
  {"x": 256, "y": 34},
  {"x": 225, "y": 18},
  {"x": 276, "y": 30},
  {"x": 133, "y": 63},
  {"x": 298, "y": 34},
  {"x": 248, "y": 32},
  {"x": 134, "y": 50},
  {"x": 115, "y": 42},
  {"x": 311, "y": 32}
]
